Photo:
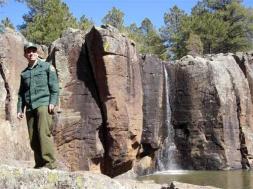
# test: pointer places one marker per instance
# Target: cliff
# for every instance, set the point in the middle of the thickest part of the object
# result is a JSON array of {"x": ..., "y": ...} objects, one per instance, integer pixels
[{"x": 119, "y": 111}]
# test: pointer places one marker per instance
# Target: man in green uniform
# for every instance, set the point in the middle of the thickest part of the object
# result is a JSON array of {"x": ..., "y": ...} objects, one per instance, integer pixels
[{"x": 38, "y": 95}]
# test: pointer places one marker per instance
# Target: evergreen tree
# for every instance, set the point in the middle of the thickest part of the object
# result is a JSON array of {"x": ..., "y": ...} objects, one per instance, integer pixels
[
  {"x": 240, "y": 31},
  {"x": 152, "y": 43},
  {"x": 46, "y": 20},
  {"x": 146, "y": 26},
  {"x": 36, "y": 7},
  {"x": 6, "y": 22},
  {"x": 194, "y": 45},
  {"x": 172, "y": 34},
  {"x": 228, "y": 25},
  {"x": 210, "y": 28},
  {"x": 85, "y": 23},
  {"x": 135, "y": 33},
  {"x": 115, "y": 18},
  {"x": 148, "y": 40},
  {"x": 221, "y": 26}
]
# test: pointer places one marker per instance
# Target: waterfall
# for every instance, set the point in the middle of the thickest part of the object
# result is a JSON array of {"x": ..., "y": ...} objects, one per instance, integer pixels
[{"x": 166, "y": 158}]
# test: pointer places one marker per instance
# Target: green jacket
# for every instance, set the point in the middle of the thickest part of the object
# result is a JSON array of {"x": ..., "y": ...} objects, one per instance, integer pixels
[{"x": 38, "y": 86}]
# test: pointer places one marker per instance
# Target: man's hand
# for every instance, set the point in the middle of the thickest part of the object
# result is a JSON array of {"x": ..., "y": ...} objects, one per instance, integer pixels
[
  {"x": 51, "y": 108},
  {"x": 20, "y": 115}
]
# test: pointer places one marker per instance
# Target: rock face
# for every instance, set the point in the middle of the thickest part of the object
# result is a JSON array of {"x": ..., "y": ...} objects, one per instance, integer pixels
[
  {"x": 14, "y": 141},
  {"x": 245, "y": 61},
  {"x": 113, "y": 107},
  {"x": 79, "y": 120},
  {"x": 212, "y": 113},
  {"x": 117, "y": 73},
  {"x": 98, "y": 123},
  {"x": 153, "y": 101}
]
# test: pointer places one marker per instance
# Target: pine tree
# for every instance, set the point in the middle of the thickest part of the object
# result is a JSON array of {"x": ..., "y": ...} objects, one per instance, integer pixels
[
  {"x": 85, "y": 23},
  {"x": 210, "y": 28},
  {"x": 240, "y": 31},
  {"x": 6, "y": 22},
  {"x": 115, "y": 18},
  {"x": 194, "y": 45},
  {"x": 148, "y": 40},
  {"x": 135, "y": 33},
  {"x": 222, "y": 26},
  {"x": 46, "y": 21},
  {"x": 152, "y": 43},
  {"x": 172, "y": 34},
  {"x": 225, "y": 25}
]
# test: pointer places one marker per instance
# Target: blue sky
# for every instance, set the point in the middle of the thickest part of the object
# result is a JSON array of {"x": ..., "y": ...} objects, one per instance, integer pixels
[{"x": 135, "y": 10}]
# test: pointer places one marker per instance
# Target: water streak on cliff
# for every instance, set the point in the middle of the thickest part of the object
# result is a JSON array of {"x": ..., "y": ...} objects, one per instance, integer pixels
[{"x": 166, "y": 159}]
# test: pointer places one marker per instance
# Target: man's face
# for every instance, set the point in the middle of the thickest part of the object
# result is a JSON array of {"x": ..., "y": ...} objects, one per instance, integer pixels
[{"x": 31, "y": 54}]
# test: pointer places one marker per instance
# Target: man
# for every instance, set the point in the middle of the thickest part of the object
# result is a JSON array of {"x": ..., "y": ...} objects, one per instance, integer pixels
[{"x": 38, "y": 93}]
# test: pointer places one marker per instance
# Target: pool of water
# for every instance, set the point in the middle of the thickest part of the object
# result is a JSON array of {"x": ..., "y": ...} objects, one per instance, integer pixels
[{"x": 238, "y": 179}]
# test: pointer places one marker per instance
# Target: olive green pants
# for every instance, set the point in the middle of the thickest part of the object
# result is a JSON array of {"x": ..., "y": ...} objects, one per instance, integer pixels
[{"x": 39, "y": 123}]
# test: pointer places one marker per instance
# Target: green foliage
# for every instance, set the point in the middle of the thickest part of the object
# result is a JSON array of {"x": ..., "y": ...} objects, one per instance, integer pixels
[
  {"x": 35, "y": 7},
  {"x": 48, "y": 20},
  {"x": 194, "y": 45},
  {"x": 228, "y": 25},
  {"x": 85, "y": 23},
  {"x": 172, "y": 34},
  {"x": 240, "y": 31},
  {"x": 115, "y": 18},
  {"x": 213, "y": 26},
  {"x": 214, "y": 5},
  {"x": 134, "y": 33},
  {"x": 221, "y": 26},
  {"x": 152, "y": 42},
  {"x": 6, "y": 22},
  {"x": 211, "y": 30},
  {"x": 147, "y": 39}
]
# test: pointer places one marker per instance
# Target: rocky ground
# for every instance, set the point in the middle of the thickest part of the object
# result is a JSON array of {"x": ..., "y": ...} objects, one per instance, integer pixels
[{"x": 28, "y": 178}]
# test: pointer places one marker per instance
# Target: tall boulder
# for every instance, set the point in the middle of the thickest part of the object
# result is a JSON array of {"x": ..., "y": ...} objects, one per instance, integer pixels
[
  {"x": 78, "y": 121},
  {"x": 14, "y": 141},
  {"x": 153, "y": 103},
  {"x": 116, "y": 70}
]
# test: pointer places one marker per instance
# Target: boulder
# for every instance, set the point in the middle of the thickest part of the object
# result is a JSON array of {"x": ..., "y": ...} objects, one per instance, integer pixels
[
  {"x": 14, "y": 140},
  {"x": 116, "y": 69},
  {"x": 78, "y": 121},
  {"x": 153, "y": 104}
]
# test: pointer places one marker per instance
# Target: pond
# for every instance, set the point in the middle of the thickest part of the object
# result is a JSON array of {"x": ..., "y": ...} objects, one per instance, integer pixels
[{"x": 237, "y": 179}]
